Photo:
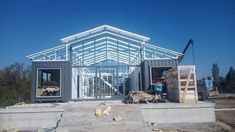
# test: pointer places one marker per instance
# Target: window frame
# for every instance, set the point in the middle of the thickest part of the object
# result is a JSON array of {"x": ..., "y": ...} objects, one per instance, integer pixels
[
  {"x": 37, "y": 82},
  {"x": 150, "y": 72}
]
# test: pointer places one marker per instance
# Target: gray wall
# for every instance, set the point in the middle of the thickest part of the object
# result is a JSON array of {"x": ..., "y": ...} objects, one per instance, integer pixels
[
  {"x": 65, "y": 80},
  {"x": 145, "y": 69}
]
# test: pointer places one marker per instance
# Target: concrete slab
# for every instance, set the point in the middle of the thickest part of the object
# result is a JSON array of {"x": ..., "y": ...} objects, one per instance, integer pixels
[{"x": 80, "y": 116}]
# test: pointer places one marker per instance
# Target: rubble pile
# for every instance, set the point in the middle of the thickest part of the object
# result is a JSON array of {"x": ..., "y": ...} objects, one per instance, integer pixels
[
  {"x": 103, "y": 109},
  {"x": 138, "y": 96}
]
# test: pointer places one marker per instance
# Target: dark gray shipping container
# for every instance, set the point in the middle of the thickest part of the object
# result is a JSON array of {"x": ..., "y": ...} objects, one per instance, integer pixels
[
  {"x": 65, "y": 80},
  {"x": 146, "y": 66}
]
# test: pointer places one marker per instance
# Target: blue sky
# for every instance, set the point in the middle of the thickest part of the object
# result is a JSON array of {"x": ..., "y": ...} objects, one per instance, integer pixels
[{"x": 28, "y": 26}]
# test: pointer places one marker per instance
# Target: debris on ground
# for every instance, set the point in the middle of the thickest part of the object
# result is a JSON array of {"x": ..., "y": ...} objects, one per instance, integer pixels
[
  {"x": 12, "y": 130},
  {"x": 118, "y": 118},
  {"x": 107, "y": 110},
  {"x": 98, "y": 112},
  {"x": 157, "y": 130},
  {"x": 20, "y": 103},
  {"x": 148, "y": 124},
  {"x": 187, "y": 130},
  {"x": 103, "y": 109},
  {"x": 43, "y": 130},
  {"x": 189, "y": 127},
  {"x": 138, "y": 96},
  {"x": 3, "y": 130},
  {"x": 104, "y": 104},
  {"x": 221, "y": 126}
]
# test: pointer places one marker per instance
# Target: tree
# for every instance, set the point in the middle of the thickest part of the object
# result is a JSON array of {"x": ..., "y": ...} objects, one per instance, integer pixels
[
  {"x": 222, "y": 83},
  {"x": 209, "y": 78},
  {"x": 14, "y": 84},
  {"x": 230, "y": 79},
  {"x": 215, "y": 74}
]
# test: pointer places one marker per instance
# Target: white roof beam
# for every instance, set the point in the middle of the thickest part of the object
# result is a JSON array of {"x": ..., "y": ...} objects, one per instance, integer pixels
[
  {"x": 87, "y": 43},
  {"x": 123, "y": 42},
  {"x": 122, "y": 61},
  {"x": 162, "y": 53},
  {"x": 108, "y": 38},
  {"x": 115, "y": 48},
  {"x": 130, "y": 34},
  {"x": 162, "y": 49},
  {"x": 115, "y": 56},
  {"x": 92, "y": 46},
  {"x": 123, "y": 53},
  {"x": 121, "y": 45},
  {"x": 105, "y": 27},
  {"x": 88, "y": 53},
  {"x": 105, "y": 32},
  {"x": 98, "y": 59},
  {"x": 93, "y": 56},
  {"x": 46, "y": 51}
]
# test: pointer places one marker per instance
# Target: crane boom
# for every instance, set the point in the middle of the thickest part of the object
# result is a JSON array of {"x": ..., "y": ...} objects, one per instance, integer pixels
[{"x": 190, "y": 42}]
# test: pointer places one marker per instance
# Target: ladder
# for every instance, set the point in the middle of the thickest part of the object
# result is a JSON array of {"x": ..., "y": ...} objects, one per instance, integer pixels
[{"x": 188, "y": 92}]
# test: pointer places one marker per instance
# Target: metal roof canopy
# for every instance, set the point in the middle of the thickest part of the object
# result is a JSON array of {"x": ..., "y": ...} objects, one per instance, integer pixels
[{"x": 104, "y": 43}]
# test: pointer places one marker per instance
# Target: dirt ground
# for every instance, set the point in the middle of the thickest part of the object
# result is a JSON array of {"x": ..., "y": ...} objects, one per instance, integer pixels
[
  {"x": 193, "y": 127},
  {"x": 224, "y": 103},
  {"x": 226, "y": 116}
]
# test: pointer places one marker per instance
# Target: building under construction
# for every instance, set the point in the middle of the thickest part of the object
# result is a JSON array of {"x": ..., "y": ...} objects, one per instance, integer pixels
[{"x": 101, "y": 63}]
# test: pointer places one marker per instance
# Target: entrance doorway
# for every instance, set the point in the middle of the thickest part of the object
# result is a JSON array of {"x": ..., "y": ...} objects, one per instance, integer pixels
[
  {"x": 101, "y": 82},
  {"x": 105, "y": 83}
]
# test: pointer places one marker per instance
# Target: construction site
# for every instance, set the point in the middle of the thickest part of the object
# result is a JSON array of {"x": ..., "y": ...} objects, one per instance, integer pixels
[
  {"x": 109, "y": 79},
  {"x": 108, "y": 63}
]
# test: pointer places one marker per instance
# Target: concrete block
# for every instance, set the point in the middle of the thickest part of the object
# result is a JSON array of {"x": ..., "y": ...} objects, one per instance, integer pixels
[
  {"x": 178, "y": 113},
  {"x": 29, "y": 118}
]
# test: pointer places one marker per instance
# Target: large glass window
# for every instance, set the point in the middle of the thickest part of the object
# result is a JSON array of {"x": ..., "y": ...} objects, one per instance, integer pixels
[{"x": 48, "y": 82}]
